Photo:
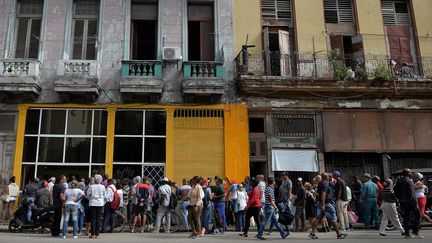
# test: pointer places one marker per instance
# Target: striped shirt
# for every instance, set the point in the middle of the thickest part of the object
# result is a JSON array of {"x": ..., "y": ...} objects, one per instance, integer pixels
[
  {"x": 388, "y": 195},
  {"x": 269, "y": 195}
]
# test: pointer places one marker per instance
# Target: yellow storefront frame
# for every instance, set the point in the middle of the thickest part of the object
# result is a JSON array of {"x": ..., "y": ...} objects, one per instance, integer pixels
[{"x": 236, "y": 138}]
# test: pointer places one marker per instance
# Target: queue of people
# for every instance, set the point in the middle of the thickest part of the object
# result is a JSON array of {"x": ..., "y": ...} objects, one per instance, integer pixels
[{"x": 90, "y": 206}]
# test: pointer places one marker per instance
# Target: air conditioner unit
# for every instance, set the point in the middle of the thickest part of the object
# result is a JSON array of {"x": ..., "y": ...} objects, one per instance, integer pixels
[{"x": 172, "y": 53}]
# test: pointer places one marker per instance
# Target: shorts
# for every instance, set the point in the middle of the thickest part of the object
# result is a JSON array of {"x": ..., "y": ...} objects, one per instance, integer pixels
[
  {"x": 329, "y": 212},
  {"x": 310, "y": 211},
  {"x": 137, "y": 209}
]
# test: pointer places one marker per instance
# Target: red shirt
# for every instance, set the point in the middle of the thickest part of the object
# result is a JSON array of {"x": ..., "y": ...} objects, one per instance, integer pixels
[
  {"x": 380, "y": 188},
  {"x": 254, "y": 198}
]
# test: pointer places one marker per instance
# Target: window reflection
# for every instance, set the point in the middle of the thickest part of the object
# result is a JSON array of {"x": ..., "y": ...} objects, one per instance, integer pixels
[{"x": 79, "y": 122}]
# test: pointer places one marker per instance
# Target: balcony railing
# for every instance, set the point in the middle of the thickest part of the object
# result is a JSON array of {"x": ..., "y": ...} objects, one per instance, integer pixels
[
  {"x": 134, "y": 68},
  {"x": 341, "y": 67},
  {"x": 204, "y": 69},
  {"x": 20, "y": 67},
  {"x": 79, "y": 68}
]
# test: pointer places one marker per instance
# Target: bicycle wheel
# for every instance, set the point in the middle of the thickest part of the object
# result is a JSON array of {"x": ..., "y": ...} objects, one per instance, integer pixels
[
  {"x": 175, "y": 222},
  {"x": 120, "y": 222}
]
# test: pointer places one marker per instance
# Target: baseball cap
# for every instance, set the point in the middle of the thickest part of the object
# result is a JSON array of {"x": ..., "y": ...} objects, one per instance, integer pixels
[
  {"x": 165, "y": 179},
  {"x": 336, "y": 173}
]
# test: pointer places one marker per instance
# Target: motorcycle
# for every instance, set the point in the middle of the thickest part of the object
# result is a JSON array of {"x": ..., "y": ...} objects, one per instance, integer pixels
[{"x": 42, "y": 218}]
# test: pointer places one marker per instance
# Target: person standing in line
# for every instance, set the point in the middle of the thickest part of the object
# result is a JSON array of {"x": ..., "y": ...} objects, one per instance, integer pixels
[
  {"x": 253, "y": 207},
  {"x": 356, "y": 188},
  {"x": 182, "y": 193},
  {"x": 96, "y": 195},
  {"x": 43, "y": 197},
  {"x": 72, "y": 196},
  {"x": 81, "y": 206},
  {"x": 206, "y": 212},
  {"x": 164, "y": 210},
  {"x": 57, "y": 195},
  {"x": 299, "y": 204},
  {"x": 270, "y": 211},
  {"x": 421, "y": 195},
  {"x": 388, "y": 208},
  {"x": 376, "y": 179},
  {"x": 325, "y": 207},
  {"x": 126, "y": 192},
  {"x": 196, "y": 194},
  {"x": 341, "y": 201},
  {"x": 109, "y": 213},
  {"x": 219, "y": 200},
  {"x": 310, "y": 203},
  {"x": 405, "y": 193},
  {"x": 242, "y": 199},
  {"x": 261, "y": 188},
  {"x": 30, "y": 192},
  {"x": 51, "y": 183},
  {"x": 140, "y": 203},
  {"x": 370, "y": 194},
  {"x": 12, "y": 195}
]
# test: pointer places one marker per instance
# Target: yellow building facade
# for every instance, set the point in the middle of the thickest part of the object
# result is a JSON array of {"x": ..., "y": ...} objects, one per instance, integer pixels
[{"x": 208, "y": 141}]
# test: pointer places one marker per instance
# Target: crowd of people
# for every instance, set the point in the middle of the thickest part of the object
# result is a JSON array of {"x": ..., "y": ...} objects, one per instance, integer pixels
[{"x": 328, "y": 200}]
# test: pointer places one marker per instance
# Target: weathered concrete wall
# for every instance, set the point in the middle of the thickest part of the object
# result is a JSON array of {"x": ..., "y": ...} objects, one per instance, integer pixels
[
  {"x": 423, "y": 20},
  {"x": 371, "y": 26},
  {"x": 6, "y": 9},
  {"x": 247, "y": 22}
]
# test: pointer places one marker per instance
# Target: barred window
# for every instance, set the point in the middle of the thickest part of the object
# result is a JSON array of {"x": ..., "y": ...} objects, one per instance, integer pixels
[
  {"x": 276, "y": 9},
  {"x": 395, "y": 12},
  {"x": 85, "y": 29},
  {"x": 338, "y": 11},
  {"x": 28, "y": 27},
  {"x": 294, "y": 125}
]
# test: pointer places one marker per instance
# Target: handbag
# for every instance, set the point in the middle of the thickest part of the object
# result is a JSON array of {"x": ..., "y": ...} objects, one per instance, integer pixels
[
  {"x": 352, "y": 216},
  {"x": 285, "y": 218}
]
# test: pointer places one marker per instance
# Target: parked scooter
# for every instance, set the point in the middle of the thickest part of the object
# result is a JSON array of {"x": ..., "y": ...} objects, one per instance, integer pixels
[{"x": 41, "y": 218}]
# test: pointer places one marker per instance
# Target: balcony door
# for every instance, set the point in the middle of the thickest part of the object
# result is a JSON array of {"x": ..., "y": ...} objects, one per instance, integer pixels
[
  {"x": 277, "y": 52},
  {"x": 201, "y": 37}
]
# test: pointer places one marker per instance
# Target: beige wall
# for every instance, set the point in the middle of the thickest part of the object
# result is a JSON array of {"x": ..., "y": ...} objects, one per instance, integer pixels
[
  {"x": 310, "y": 26},
  {"x": 423, "y": 19},
  {"x": 247, "y": 21},
  {"x": 371, "y": 26}
]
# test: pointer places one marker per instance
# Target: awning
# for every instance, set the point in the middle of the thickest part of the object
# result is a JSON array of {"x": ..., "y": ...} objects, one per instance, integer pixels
[{"x": 294, "y": 160}]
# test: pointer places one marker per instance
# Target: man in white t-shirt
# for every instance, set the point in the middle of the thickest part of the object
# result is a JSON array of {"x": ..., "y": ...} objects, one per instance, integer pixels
[{"x": 72, "y": 196}]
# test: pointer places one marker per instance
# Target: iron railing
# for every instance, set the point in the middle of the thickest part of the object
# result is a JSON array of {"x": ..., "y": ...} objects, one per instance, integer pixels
[
  {"x": 328, "y": 66},
  {"x": 202, "y": 69},
  {"x": 138, "y": 68}
]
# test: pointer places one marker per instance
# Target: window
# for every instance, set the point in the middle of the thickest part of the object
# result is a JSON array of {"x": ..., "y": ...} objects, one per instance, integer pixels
[
  {"x": 256, "y": 124},
  {"x": 28, "y": 28},
  {"x": 395, "y": 12},
  {"x": 59, "y": 138},
  {"x": 294, "y": 125},
  {"x": 85, "y": 29},
  {"x": 201, "y": 39},
  {"x": 276, "y": 9},
  {"x": 7, "y": 123},
  {"x": 139, "y": 143},
  {"x": 144, "y": 29},
  {"x": 338, "y": 11}
]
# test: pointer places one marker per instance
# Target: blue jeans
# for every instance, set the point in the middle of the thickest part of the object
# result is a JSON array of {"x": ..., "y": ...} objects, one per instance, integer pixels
[
  {"x": 81, "y": 216},
  {"x": 283, "y": 207},
  {"x": 29, "y": 211},
  {"x": 221, "y": 207},
  {"x": 70, "y": 210},
  {"x": 269, "y": 212},
  {"x": 360, "y": 208},
  {"x": 240, "y": 220},
  {"x": 184, "y": 214},
  {"x": 206, "y": 214}
]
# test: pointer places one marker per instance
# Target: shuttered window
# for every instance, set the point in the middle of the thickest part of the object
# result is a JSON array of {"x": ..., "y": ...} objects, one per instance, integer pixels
[
  {"x": 294, "y": 125},
  {"x": 276, "y": 9},
  {"x": 85, "y": 29},
  {"x": 338, "y": 11},
  {"x": 28, "y": 27},
  {"x": 395, "y": 12}
]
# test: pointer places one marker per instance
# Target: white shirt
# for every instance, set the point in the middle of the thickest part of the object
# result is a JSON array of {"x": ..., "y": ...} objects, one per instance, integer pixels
[
  {"x": 349, "y": 195},
  {"x": 109, "y": 194},
  {"x": 50, "y": 186},
  {"x": 242, "y": 198},
  {"x": 71, "y": 195},
  {"x": 165, "y": 190},
  {"x": 96, "y": 194},
  {"x": 13, "y": 191},
  {"x": 120, "y": 193},
  {"x": 261, "y": 188}
]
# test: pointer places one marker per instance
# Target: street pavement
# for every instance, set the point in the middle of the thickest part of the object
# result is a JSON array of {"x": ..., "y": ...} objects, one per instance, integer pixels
[{"x": 353, "y": 236}]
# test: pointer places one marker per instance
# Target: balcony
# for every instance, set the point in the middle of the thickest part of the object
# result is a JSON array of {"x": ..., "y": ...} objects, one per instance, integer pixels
[
  {"x": 78, "y": 77},
  {"x": 141, "y": 77},
  {"x": 203, "y": 78},
  {"x": 20, "y": 76},
  {"x": 308, "y": 74}
]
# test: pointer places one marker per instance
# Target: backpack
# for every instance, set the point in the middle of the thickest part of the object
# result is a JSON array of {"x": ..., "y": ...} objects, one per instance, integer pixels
[
  {"x": 206, "y": 198},
  {"x": 115, "y": 204},
  {"x": 142, "y": 195},
  {"x": 173, "y": 201}
]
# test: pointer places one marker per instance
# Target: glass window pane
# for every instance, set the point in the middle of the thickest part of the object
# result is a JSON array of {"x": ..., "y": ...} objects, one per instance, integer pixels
[
  {"x": 87, "y": 7},
  {"x": 53, "y": 122},
  {"x": 7, "y": 123},
  {"x": 78, "y": 150},
  {"x": 100, "y": 123},
  {"x": 126, "y": 171},
  {"x": 21, "y": 38},
  {"x": 97, "y": 169},
  {"x": 252, "y": 149},
  {"x": 34, "y": 38},
  {"x": 51, "y": 150},
  {"x": 78, "y": 39},
  {"x": 99, "y": 145},
  {"x": 27, "y": 172},
  {"x": 155, "y": 123},
  {"x": 29, "y": 150},
  {"x": 32, "y": 122},
  {"x": 154, "y": 150},
  {"x": 47, "y": 171},
  {"x": 129, "y": 123},
  {"x": 79, "y": 122},
  {"x": 91, "y": 39},
  {"x": 128, "y": 149}
]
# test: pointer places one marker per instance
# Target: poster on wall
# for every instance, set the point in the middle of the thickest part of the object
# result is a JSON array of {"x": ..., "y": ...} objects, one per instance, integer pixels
[{"x": 304, "y": 160}]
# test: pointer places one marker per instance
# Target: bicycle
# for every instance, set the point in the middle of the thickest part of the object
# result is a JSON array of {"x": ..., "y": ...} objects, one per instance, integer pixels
[
  {"x": 120, "y": 222},
  {"x": 174, "y": 225}
]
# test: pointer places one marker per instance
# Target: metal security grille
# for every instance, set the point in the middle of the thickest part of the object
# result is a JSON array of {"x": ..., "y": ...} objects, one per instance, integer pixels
[
  {"x": 156, "y": 172},
  {"x": 395, "y": 12},
  {"x": 199, "y": 118},
  {"x": 276, "y": 9},
  {"x": 294, "y": 125},
  {"x": 354, "y": 164},
  {"x": 338, "y": 11}
]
